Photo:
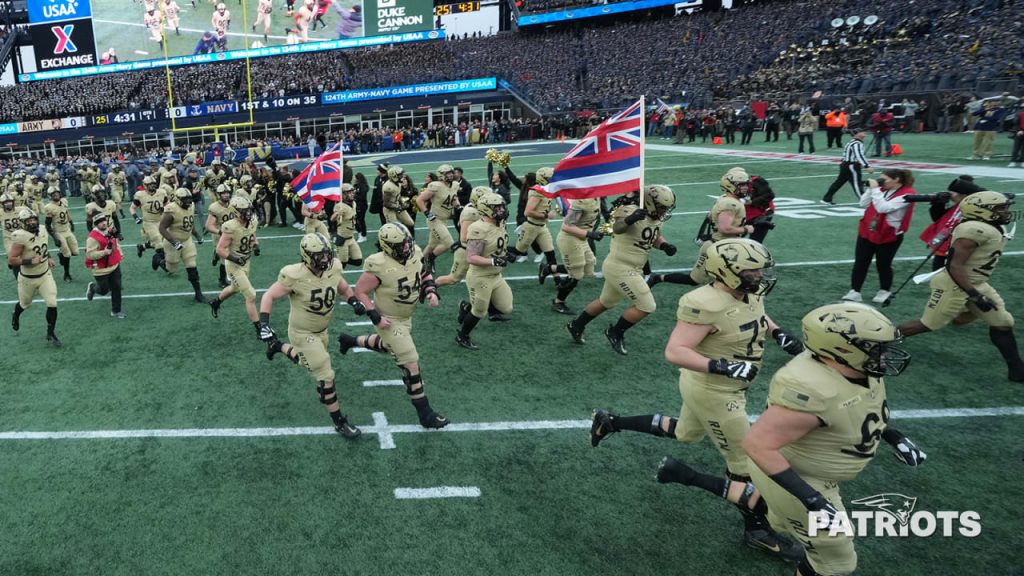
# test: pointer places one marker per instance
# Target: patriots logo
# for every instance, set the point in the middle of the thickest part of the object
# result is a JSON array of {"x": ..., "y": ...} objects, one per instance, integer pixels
[{"x": 899, "y": 506}]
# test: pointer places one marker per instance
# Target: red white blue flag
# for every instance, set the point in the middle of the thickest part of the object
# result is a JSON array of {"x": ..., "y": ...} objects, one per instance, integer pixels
[
  {"x": 321, "y": 180},
  {"x": 606, "y": 162}
]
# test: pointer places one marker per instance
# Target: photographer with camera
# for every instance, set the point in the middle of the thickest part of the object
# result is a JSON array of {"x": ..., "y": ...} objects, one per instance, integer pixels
[
  {"x": 881, "y": 125},
  {"x": 760, "y": 209},
  {"x": 945, "y": 217},
  {"x": 103, "y": 258}
]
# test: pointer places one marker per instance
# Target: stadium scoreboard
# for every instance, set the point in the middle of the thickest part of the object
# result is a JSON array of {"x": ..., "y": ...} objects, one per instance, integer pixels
[
  {"x": 73, "y": 38},
  {"x": 458, "y": 8}
]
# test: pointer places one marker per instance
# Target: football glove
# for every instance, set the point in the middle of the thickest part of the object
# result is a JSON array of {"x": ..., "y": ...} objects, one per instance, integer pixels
[
  {"x": 595, "y": 235},
  {"x": 737, "y": 370},
  {"x": 984, "y": 303},
  {"x": 455, "y": 246},
  {"x": 903, "y": 449},
  {"x": 177, "y": 245},
  {"x": 256, "y": 251},
  {"x": 791, "y": 345},
  {"x": 266, "y": 333},
  {"x": 138, "y": 219},
  {"x": 501, "y": 261},
  {"x": 357, "y": 306},
  {"x": 668, "y": 249},
  {"x": 430, "y": 215},
  {"x": 238, "y": 260},
  {"x": 636, "y": 216},
  {"x": 828, "y": 509}
]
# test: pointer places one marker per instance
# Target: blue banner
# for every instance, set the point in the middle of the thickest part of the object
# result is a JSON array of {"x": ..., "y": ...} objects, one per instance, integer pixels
[
  {"x": 410, "y": 90},
  {"x": 576, "y": 14},
  {"x": 235, "y": 55},
  {"x": 8, "y": 128},
  {"x": 52, "y": 10}
]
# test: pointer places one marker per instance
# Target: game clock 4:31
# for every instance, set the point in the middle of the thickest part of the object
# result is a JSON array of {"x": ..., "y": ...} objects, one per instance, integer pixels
[{"x": 457, "y": 8}]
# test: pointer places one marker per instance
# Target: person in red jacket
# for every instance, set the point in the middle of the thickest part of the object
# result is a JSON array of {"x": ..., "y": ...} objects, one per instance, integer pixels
[
  {"x": 881, "y": 125},
  {"x": 882, "y": 228},
  {"x": 103, "y": 258},
  {"x": 938, "y": 234}
]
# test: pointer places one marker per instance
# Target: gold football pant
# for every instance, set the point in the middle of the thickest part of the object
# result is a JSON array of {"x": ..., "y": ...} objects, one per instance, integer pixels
[
  {"x": 439, "y": 235},
  {"x": 579, "y": 259},
  {"x": 528, "y": 232},
  {"x": 399, "y": 216},
  {"x": 238, "y": 276},
  {"x": 187, "y": 254},
  {"x": 487, "y": 290},
  {"x": 947, "y": 301},
  {"x": 718, "y": 413},
  {"x": 397, "y": 340},
  {"x": 43, "y": 285},
  {"x": 459, "y": 266},
  {"x": 68, "y": 243},
  {"x": 827, "y": 555},
  {"x": 349, "y": 251},
  {"x": 624, "y": 281},
  {"x": 312, "y": 350}
]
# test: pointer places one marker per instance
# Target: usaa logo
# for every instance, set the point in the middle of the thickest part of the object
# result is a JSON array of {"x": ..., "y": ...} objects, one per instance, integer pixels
[{"x": 60, "y": 9}]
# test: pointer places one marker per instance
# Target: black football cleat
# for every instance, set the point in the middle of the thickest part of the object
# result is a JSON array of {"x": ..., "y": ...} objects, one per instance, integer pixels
[
  {"x": 543, "y": 271},
  {"x": 52, "y": 340},
  {"x": 273, "y": 347},
  {"x": 434, "y": 420},
  {"x": 654, "y": 279},
  {"x": 464, "y": 308},
  {"x": 215, "y": 307},
  {"x": 345, "y": 429},
  {"x": 346, "y": 342},
  {"x": 1017, "y": 372},
  {"x": 90, "y": 291},
  {"x": 561, "y": 308},
  {"x": 600, "y": 427},
  {"x": 465, "y": 342},
  {"x": 768, "y": 540},
  {"x": 199, "y": 298},
  {"x": 68, "y": 279},
  {"x": 575, "y": 332},
  {"x": 618, "y": 341},
  {"x": 497, "y": 317},
  {"x": 15, "y": 322}
]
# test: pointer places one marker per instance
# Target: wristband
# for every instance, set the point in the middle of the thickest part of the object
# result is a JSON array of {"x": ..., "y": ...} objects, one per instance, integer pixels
[
  {"x": 374, "y": 316},
  {"x": 26, "y": 261},
  {"x": 791, "y": 482}
]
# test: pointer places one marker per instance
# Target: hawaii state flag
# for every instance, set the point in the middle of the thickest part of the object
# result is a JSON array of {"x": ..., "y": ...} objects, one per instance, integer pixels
[
  {"x": 606, "y": 162},
  {"x": 321, "y": 180}
]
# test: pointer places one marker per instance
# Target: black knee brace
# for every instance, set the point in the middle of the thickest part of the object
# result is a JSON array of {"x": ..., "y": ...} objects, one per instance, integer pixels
[
  {"x": 375, "y": 343},
  {"x": 566, "y": 288},
  {"x": 355, "y": 262},
  {"x": 656, "y": 426},
  {"x": 413, "y": 383},
  {"x": 550, "y": 257},
  {"x": 193, "y": 274},
  {"x": 325, "y": 388}
]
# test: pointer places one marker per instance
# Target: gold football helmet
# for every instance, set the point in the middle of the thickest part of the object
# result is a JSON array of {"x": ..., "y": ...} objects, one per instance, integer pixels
[
  {"x": 477, "y": 192},
  {"x": 493, "y": 206},
  {"x": 856, "y": 335},
  {"x": 395, "y": 173},
  {"x": 659, "y": 201},
  {"x": 736, "y": 182},
  {"x": 544, "y": 175},
  {"x": 182, "y": 196},
  {"x": 26, "y": 215},
  {"x": 243, "y": 207},
  {"x": 317, "y": 253},
  {"x": 988, "y": 206},
  {"x": 742, "y": 264},
  {"x": 396, "y": 241}
]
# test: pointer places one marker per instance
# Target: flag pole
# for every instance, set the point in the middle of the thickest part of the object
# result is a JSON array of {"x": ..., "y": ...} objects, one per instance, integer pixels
[{"x": 643, "y": 141}]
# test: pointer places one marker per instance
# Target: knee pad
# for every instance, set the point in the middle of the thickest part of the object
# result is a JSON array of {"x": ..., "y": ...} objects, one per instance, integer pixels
[
  {"x": 413, "y": 383},
  {"x": 193, "y": 274},
  {"x": 737, "y": 477},
  {"x": 325, "y": 388},
  {"x": 355, "y": 262}
]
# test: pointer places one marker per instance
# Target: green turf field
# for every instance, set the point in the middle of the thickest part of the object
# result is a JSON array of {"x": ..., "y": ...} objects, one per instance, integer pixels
[
  {"x": 119, "y": 24},
  {"x": 229, "y": 466}
]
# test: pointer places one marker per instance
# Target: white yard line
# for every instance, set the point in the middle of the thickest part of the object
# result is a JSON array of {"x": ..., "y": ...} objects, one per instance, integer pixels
[
  {"x": 376, "y": 383},
  {"x": 437, "y": 492},
  {"x": 381, "y": 427},
  {"x": 507, "y": 278}
]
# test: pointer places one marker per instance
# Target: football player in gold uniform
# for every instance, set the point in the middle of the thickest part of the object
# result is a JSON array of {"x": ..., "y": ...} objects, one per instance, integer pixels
[
  {"x": 636, "y": 231},
  {"x": 727, "y": 219},
  {"x": 10, "y": 222},
  {"x": 577, "y": 229},
  {"x": 718, "y": 343},
  {"x": 101, "y": 205},
  {"x": 263, "y": 15},
  {"x": 117, "y": 183},
  {"x": 397, "y": 277},
  {"x": 29, "y": 252},
  {"x": 394, "y": 207},
  {"x": 236, "y": 245},
  {"x": 486, "y": 254},
  {"x": 827, "y": 411},
  {"x": 312, "y": 222},
  {"x": 150, "y": 201},
  {"x": 467, "y": 217},
  {"x": 344, "y": 218},
  {"x": 437, "y": 201},
  {"x": 176, "y": 229},
  {"x": 219, "y": 213},
  {"x": 62, "y": 229},
  {"x": 312, "y": 287},
  {"x": 535, "y": 230},
  {"x": 961, "y": 292}
]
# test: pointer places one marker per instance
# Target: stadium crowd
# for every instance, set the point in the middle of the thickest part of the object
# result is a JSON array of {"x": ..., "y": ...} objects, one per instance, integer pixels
[{"x": 925, "y": 45}]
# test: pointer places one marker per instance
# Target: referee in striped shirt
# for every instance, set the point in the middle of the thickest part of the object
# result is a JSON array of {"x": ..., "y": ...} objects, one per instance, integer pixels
[{"x": 849, "y": 168}]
